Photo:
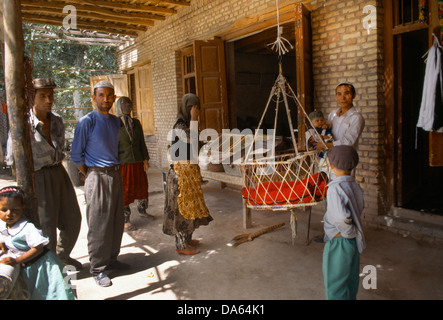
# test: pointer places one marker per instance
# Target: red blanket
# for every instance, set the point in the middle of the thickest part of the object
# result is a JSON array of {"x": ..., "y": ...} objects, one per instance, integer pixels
[{"x": 281, "y": 193}]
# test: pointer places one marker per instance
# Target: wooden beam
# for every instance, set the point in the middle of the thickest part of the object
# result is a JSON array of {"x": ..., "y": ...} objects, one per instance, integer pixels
[
  {"x": 116, "y": 18},
  {"x": 181, "y": 3},
  {"x": 85, "y": 33},
  {"x": 17, "y": 106},
  {"x": 103, "y": 41},
  {"x": 109, "y": 28},
  {"x": 26, "y": 4},
  {"x": 102, "y": 24},
  {"x": 120, "y": 6},
  {"x": 79, "y": 42}
]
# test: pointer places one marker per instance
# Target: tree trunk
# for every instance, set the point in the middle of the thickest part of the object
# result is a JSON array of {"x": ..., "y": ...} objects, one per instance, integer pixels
[{"x": 17, "y": 108}]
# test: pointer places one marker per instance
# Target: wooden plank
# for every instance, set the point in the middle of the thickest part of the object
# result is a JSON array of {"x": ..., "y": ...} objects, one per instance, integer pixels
[
  {"x": 27, "y": 4},
  {"x": 86, "y": 15},
  {"x": 303, "y": 58},
  {"x": 250, "y": 25},
  {"x": 96, "y": 24},
  {"x": 390, "y": 129},
  {"x": 84, "y": 33},
  {"x": 236, "y": 181},
  {"x": 436, "y": 149},
  {"x": 124, "y": 6}
]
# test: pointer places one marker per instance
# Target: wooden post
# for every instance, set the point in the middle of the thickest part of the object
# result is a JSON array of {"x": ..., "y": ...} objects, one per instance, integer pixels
[{"x": 17, "y": 108}]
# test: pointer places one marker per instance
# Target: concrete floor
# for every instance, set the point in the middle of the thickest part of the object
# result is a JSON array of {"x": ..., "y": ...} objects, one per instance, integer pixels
[{"x": 268, "y": 268}]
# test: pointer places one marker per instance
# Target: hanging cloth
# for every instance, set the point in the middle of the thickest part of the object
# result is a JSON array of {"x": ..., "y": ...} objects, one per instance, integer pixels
[{"x": 432, "y": 96}]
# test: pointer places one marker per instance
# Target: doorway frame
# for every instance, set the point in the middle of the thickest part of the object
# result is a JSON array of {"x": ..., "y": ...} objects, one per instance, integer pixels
[{"x": 392, "y": 75}]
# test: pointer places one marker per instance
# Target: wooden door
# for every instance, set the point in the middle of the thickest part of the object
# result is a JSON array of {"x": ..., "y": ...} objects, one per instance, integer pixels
[
  {"x": 303, "y": 55},
  {"x": 210, "y": 78},
  {"x": 145, "y": 101},
  {"x": 120, "y": 82}
]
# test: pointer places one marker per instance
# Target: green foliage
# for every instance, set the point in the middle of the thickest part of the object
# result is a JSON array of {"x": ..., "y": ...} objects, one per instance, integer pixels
[{"x": 71, "y": 66}]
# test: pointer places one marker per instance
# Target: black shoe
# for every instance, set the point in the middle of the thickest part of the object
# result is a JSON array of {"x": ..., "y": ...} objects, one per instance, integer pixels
[{"x": 102, "y": 279}]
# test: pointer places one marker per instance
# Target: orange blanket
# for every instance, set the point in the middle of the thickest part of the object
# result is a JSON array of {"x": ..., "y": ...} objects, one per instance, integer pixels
[{"x": 280, "y": 193}]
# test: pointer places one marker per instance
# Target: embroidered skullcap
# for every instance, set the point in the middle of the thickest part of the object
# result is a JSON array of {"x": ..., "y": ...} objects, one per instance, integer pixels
[
  {"x": 315, "y": 114},
  {"x": 44, "y": 83},
  {"x": 104, "y": 84},
  {"x": 343, "y": 157}
]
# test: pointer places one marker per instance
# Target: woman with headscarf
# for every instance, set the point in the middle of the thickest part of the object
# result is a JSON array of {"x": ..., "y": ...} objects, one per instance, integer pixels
[
  {"x": 185, "y": 207},
  {"x": 134, "y": 161}
]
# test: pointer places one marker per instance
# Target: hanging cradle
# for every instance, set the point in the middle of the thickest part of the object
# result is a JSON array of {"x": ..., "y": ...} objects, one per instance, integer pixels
[{"x": 282, "y": 182}]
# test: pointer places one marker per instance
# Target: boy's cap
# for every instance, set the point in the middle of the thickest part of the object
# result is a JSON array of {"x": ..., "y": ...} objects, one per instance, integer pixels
[
  {"x": 316, "y": 114},
  {"x": 343, "y": 157},
  {"x": 43, "y": 83}
]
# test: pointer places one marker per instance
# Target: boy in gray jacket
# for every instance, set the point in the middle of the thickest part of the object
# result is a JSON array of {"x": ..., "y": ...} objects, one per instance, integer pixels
[{"x": 343, "y": 228}]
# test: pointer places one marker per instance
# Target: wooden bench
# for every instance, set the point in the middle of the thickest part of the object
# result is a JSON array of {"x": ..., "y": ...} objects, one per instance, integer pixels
[{"x": 229, "y": 179}]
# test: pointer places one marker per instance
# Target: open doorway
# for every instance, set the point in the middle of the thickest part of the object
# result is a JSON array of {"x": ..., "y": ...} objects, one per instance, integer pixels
[
  {"x": 418, "y": 187},
  {"x": 252, "y": 70}
]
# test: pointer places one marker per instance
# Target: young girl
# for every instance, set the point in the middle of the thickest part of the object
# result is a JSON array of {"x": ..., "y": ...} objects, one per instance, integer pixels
[{"x": 21, "y": 243}]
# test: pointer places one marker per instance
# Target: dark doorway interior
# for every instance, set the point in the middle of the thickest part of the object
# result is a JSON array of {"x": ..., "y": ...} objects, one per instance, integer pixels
[
  {"x": 420, "y": 184},
  {"x": 253, "y": 69}
]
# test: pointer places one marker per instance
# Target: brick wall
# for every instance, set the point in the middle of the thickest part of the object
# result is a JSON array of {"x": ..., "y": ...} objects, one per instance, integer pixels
[{"x": 342, "y": 50}]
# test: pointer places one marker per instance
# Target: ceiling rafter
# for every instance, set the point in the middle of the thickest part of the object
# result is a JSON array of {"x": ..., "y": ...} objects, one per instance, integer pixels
[
  {"x": 118, "y": 5},
  {"x": 82, "y": 25},
  {"x": 118, "y": 19},
  {"x": 124, "y": 17},
  {"x": 28, "y": 5}
]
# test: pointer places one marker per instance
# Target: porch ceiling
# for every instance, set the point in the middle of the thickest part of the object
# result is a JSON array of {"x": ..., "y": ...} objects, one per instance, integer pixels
[{"x": 123, "y": 17}]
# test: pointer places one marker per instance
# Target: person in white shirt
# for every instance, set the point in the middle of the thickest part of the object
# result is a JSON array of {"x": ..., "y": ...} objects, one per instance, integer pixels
[{"x": 346, "y": 122}]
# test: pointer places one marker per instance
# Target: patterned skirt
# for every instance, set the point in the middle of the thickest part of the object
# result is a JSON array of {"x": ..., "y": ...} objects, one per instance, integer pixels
[
  {"x": 185, "y": 207},
  {"x": 135, "y": 182}
]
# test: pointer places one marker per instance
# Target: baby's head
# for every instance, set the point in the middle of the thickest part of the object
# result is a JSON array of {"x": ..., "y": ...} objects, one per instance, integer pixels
[
  {"x": 12, "y": 204},
  {"x": 343, "y": 158},
  {"x": 317, "y": 119}
]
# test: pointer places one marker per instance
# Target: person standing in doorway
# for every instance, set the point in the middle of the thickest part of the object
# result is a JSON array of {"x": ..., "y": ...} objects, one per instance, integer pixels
[
  {"x": 95, "y": 153},
  {"x": 134, "y": 159},
  {"x": 57, "y": 201}
]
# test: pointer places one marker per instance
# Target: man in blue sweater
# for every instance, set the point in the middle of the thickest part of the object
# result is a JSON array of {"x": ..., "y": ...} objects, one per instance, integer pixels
[{"x": 95, "y": 152}]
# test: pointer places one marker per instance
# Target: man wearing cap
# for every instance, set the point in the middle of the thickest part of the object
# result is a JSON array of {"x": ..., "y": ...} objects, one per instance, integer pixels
[
  {"x": 346, "y": 122},
  {"x": 57, "y": 201},
  {"x": 95, "y": 153},
  {"x": 343, "y": 227}
]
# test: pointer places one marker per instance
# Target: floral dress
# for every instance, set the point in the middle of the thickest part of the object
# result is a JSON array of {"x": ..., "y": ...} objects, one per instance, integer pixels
[
  {"x": 185, "y": 207},
  {"x": 43, "y": 275}
]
